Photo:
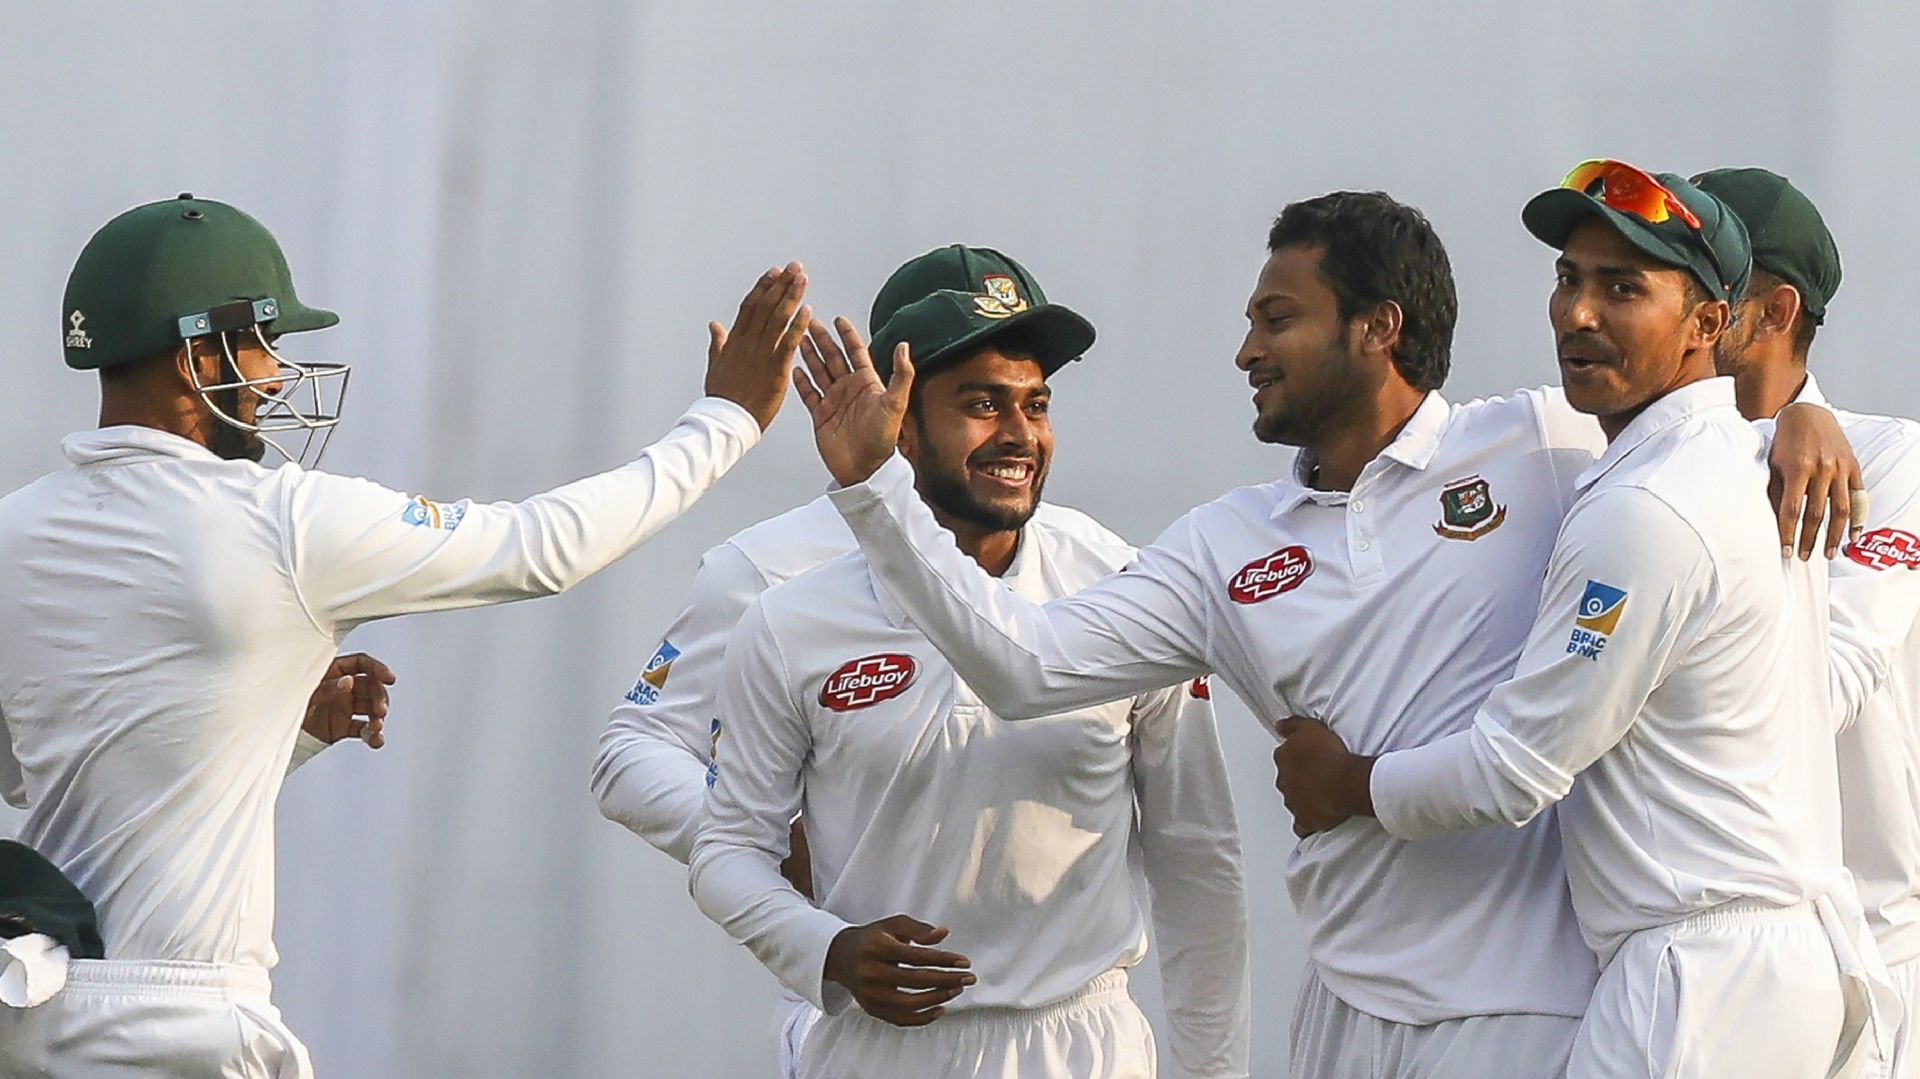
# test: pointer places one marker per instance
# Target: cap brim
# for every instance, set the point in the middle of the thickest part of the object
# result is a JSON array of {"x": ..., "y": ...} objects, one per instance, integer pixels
[
  {"x": 301, "y": 318},
  {"x": 1553, "y": 215},
  {"x": 1060, "y": 336}
]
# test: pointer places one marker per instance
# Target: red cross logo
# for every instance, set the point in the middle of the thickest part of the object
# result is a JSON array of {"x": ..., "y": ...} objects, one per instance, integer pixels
[
  {"x": 1265, "y": 578},
  {"x": 867, "y": 681},
  {"x": 1885, "y": 548}
]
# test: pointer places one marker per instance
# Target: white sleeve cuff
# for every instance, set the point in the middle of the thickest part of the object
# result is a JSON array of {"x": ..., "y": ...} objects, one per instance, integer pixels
[{"x": 728, "y": 414}]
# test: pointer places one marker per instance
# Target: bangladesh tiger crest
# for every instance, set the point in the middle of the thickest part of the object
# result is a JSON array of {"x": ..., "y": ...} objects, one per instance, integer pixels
[
  {"x": 1467, "y": 510},
  {"x": 1001, "y": 298}
]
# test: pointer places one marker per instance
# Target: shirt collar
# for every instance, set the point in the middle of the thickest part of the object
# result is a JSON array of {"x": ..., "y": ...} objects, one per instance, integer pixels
[
  {"x": 1026, "y": 575},
  {"x": 1690, "y": 400},
  {"x": 1810, "y": 394},
  {"x": 126, "y": 442},
  {"x": 1414, "y": 447}
]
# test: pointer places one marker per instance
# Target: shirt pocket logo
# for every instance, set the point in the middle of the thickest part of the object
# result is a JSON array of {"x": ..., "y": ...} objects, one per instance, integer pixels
[
  {"x": 1264, "y": 578},
  {"x": 864, "y": 682},
  {"x": 1885, "y": 548}
]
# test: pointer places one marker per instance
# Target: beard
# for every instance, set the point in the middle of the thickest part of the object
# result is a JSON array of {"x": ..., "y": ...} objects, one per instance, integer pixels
[
  {"x": 946, "y": 489},
  {"x": 230, "y": 443},
  {"x": 1299, "y": 419}
]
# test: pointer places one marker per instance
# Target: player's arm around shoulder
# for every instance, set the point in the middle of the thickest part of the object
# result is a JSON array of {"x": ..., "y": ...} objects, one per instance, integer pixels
[
  {"x": 1630, "y": 587},
  {"x": 1190, "y": 845},
  {"x": 651, "y": 771}
]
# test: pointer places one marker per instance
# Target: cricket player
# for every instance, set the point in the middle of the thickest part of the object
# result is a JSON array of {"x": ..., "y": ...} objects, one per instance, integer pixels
[
  {"x": 166, "y": 603},
  {"x": 655, "y": 756},
  {"x": 1676, "y": 668},
  {"x": 1389, "y": 580},
  {"x": 1873, "y": 597},
  {"x": 976, "y": 879}
]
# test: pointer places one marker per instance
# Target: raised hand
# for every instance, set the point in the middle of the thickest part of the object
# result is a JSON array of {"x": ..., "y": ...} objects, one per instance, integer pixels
[
  {"x": 1814, "y": 477},
  {"x": 856, "y": 418},
  {"x": 354, "y": 686},
  {"x": 1323, "y": 783},
  {"x": 891, "y": 972},
  {"x": 748, "y": 364}
]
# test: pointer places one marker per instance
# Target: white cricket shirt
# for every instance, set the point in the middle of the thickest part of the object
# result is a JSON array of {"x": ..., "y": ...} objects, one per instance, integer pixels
[
  {"x": 651, "y": 772},
  {"x": 1676, "y": 669},
  {"x": 164, "y": 615},
  {"x": 1389, "y": 612},
  {"x": 1874, "y": 595},
  {"x": 1017, "y": 836}
]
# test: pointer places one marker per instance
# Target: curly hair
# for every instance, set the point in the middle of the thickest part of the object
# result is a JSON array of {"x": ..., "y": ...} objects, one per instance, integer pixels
[{"x": 1373, "y": 250}]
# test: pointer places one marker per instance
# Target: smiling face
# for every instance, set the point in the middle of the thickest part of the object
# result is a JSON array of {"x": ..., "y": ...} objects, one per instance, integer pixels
[
  {"x": 1629, "y": 328},
  {"x": 1298, "y": 353},
  {"x": 980, "y": 440}
]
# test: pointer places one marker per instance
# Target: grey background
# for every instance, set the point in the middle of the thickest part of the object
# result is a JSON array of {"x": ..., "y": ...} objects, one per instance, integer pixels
[{"x": 526, "y": 214}]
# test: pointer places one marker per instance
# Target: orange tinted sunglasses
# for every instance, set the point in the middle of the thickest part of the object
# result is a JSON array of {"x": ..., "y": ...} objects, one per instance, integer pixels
[{"x": 1629, "y": 189}]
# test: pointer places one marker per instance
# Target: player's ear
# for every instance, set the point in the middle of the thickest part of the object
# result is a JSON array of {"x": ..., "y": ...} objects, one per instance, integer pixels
[{"x": 1380, "y": 327}]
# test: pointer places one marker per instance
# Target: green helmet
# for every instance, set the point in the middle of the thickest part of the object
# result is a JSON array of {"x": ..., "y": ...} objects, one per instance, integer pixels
[
  {"x": 149, "y": 272},
  {"x": 200, "y": 274}
]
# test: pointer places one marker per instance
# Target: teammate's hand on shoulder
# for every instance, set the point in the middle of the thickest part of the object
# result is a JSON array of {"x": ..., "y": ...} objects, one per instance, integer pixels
[
  {"x": 351, "y": 701},
  {"x": 892, "y": 972},
  {"x": 748, "y": 364},
  {"x": 856, "y": 417},
  {"x": 1813, "y": 476},
  {"x": 1323, "y": 783}
]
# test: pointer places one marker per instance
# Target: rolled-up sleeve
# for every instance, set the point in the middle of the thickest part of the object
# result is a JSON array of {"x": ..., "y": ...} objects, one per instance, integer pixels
[{"x": 1627, "y": 591}]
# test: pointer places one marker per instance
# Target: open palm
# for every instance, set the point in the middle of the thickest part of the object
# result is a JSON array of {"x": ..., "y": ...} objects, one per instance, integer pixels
[{"x": 856, "y": 417}]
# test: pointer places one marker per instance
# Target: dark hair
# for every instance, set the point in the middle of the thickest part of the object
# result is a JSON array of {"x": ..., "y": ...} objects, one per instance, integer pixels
[
  {"x": 1766, "y": 281},
  {"x": 1374, "y": 249}
]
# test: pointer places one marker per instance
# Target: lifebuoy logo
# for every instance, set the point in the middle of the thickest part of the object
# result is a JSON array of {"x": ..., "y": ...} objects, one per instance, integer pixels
[
  {"x": 1885, "y": 548},
  {"x": 1265, "y": 578},
  {"x": 868, "y": 681}
]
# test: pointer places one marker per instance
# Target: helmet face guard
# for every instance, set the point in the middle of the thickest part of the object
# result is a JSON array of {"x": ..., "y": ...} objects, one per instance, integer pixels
[{"x": 297, "y": 406}]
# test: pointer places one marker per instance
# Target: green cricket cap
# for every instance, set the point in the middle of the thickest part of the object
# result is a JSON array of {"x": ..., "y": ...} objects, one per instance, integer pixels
[
  {"x": 1790, "y": 240},
  {"x": 955, "y": 299},
  {"x": 155, "y": 265},
  {"x": 1718, "y": 253}
]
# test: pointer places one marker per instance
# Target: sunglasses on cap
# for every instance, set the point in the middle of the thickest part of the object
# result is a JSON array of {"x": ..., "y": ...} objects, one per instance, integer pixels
[
  {"x": 1635, "y": 191},
  {"x": 1630, "y": 190}
]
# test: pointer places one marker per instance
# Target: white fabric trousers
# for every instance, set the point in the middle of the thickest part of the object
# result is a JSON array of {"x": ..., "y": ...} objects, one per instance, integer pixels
[
  {"x": 1097, "y": 1033},
  {"x": 1744, "y": 989},
  {"x": 1332, "y": 1039},
  {"x": 1904, "y": 1063},
  {"x": 121, "y": 1019},
  {"x": 793, "y": 1017}
]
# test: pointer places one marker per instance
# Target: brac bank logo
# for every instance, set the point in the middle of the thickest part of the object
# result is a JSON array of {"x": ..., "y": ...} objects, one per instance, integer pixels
[
  {"x": 1265, "y": 578},
  {"x": 867, "y": 681}
]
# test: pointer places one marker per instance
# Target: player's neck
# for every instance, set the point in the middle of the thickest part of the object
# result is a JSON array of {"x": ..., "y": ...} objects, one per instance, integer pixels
[
  {"x": 122, "y": 406},
  {"x": 993, "y": 548},
  {"x": 1769, "y": 383},
  {"x": 1348, "y": 446}
]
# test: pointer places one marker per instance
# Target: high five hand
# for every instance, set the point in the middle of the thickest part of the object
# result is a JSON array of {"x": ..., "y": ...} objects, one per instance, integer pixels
[
  {"x": 748, "y": 364},
  {"x": 856, "y": 419}
]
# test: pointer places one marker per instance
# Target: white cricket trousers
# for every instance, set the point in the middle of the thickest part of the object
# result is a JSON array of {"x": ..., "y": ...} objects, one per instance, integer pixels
[
  {"x": 1904, "y": 1062},
  {"x": 118, "y": 1019},
  {"x": 793, "y": 1017},
  {"x": 1745, "y": 989},
  {"x": 1097, "y": 1033},
  {"x": 1332, "y": 1039}
]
